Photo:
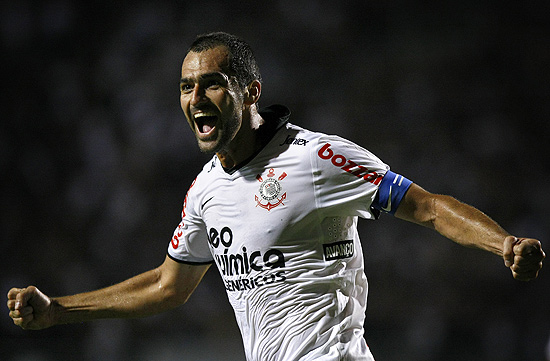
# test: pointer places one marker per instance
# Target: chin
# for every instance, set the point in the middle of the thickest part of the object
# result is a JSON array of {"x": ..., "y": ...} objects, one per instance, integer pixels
[{"x": 209, "y": 147}]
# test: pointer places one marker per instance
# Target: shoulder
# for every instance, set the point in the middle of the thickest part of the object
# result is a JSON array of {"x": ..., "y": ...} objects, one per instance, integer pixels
[
  {"x": 340, "y": 151},
  {"x": 206, "y": 176},
  {"x": 314, "y": 140},
  {"x": 293, "y": 135}
]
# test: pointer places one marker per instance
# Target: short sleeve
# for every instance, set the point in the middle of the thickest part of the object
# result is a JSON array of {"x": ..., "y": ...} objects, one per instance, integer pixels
[
  {"x": 189, "y": 243},
  {"x": 346, "y": 177}
]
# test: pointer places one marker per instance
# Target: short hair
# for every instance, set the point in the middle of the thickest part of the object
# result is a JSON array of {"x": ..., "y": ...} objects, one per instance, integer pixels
[{"x": 241, "y": 58}]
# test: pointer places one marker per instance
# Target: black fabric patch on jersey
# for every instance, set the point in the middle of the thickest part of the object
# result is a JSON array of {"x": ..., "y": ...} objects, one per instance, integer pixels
[
  {"x": 275, "y": 115},
  {"x": 338, "y": 250}
]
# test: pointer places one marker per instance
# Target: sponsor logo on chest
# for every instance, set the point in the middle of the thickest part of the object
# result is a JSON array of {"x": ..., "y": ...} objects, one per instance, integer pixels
[{"x": 245, "y": 269}]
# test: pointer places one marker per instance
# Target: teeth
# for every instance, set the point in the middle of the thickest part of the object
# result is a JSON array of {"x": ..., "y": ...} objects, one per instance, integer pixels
[
  {"x": 200, "y": 115},
  {"x": 205, "y": 125}
]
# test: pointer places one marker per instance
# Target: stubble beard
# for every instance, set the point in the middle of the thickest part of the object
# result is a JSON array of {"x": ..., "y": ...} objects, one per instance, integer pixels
[{"x": 224, "y": 137}]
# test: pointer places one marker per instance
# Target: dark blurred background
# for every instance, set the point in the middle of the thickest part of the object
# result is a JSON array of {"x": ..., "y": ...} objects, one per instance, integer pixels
[{"x": 96, "y": 157}]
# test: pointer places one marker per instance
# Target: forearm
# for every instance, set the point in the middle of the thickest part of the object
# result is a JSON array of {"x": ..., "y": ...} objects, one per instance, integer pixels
[
  {"x": 466, "y": 225},
  {"x": 139, "y": 296},
  {"x": 470, "y": 227},
  {"x": 158, "y": 290},
  {"x": 453, "y": 219}
]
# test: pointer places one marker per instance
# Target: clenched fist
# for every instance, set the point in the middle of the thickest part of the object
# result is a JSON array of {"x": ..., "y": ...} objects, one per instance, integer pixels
[
  {"x": 523, "y": 256},
  {"x": 29, "y": 308}
]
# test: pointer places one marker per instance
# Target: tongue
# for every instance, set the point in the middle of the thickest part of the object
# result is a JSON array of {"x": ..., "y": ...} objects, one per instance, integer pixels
[{"x": 207, "y": 124}]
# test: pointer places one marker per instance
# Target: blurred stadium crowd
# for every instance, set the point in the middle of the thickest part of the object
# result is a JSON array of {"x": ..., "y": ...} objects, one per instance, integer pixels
[{"x": 96, "y": 157}]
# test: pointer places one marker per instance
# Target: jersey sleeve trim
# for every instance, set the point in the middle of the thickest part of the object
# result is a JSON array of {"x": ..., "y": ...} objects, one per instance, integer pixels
[
  {"x": 391, "y": 191},
  {"x": 189, "y": 262}
]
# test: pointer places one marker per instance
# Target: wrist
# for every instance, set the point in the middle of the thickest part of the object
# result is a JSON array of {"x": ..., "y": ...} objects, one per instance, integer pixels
[{"x": 56, "y": 312}]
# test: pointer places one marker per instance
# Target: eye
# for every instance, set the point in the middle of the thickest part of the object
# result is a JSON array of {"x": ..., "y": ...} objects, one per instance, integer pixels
[
  {"x": 212, "y": 83},
  {"x": 186, "y": 87}
]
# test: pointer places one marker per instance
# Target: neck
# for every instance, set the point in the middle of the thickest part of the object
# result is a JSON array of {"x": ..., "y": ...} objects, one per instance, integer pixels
[{"x": 246, "y": 141}]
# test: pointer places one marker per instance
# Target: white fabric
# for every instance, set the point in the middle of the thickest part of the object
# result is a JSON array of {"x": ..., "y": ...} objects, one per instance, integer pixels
[{"x": 282, "y": 231}]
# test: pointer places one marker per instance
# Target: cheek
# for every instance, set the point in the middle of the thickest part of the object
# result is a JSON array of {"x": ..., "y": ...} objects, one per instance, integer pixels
[
  {"x": 231, "y": 102},
  {"x": 184, "y": 104}
]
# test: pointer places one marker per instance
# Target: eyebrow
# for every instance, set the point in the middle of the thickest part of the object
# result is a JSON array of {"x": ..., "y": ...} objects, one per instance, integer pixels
[{"x": 215, "y": 74}]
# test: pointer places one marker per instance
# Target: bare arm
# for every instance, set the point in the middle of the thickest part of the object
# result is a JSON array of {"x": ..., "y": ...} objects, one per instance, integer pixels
[
  {"x": 154, "y": 291},
  {"x": 470, "y": 227}
]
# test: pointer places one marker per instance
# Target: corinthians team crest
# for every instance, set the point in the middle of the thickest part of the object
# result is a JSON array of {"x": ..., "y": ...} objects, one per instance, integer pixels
[{"x": 270, "y": 191}]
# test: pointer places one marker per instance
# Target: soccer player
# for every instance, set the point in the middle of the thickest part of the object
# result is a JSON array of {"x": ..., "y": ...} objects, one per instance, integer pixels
[{"x": 276, "y": 211}]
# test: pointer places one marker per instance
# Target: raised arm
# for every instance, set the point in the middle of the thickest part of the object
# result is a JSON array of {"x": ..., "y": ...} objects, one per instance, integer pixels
[
  {"x": 154, "y": 291},
  {"x": 470, "y": 227}
]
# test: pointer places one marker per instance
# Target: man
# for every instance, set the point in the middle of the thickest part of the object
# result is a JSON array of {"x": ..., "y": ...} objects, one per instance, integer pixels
[{"x": 276, "y": 210}]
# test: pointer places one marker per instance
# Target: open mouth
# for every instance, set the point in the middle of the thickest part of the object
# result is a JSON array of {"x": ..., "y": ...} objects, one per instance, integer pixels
[{"x": 205, "y": 122}]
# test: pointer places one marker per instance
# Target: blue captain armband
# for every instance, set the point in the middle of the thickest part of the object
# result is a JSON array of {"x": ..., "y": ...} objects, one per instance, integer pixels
[{"x": 391, "y": 191}]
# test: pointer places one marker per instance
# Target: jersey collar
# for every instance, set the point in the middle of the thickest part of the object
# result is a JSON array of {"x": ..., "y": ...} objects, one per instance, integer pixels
[{"x": 275, "y": 116}]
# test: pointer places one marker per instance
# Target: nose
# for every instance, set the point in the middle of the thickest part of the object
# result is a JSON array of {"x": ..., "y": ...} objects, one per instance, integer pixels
[{"x": 198, "y": 95}]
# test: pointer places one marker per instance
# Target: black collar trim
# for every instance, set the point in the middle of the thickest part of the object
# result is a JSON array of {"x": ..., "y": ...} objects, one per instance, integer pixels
[{"x": 275, "y": 116}]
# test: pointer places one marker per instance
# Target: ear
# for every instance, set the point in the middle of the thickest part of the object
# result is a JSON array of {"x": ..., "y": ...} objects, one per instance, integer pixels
[{"x": 253, "y": 92}]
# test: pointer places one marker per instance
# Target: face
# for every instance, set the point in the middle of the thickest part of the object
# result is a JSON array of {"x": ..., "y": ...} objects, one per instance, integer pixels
[{"x": 211, "y": 100}]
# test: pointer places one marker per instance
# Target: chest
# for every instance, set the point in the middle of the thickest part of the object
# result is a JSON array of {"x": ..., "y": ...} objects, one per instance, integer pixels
[{"x": 263, "y": 207}]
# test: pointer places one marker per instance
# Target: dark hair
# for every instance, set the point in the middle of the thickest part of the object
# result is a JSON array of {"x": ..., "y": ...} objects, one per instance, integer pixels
[{"x": 241, "y": 58}]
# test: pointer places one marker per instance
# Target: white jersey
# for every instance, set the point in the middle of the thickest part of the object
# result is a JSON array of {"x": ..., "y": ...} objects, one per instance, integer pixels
[{"x": 281, "y": 229}]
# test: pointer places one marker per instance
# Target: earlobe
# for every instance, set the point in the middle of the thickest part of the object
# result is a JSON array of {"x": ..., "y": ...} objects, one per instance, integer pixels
[{"x": 253, "y": 92}]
